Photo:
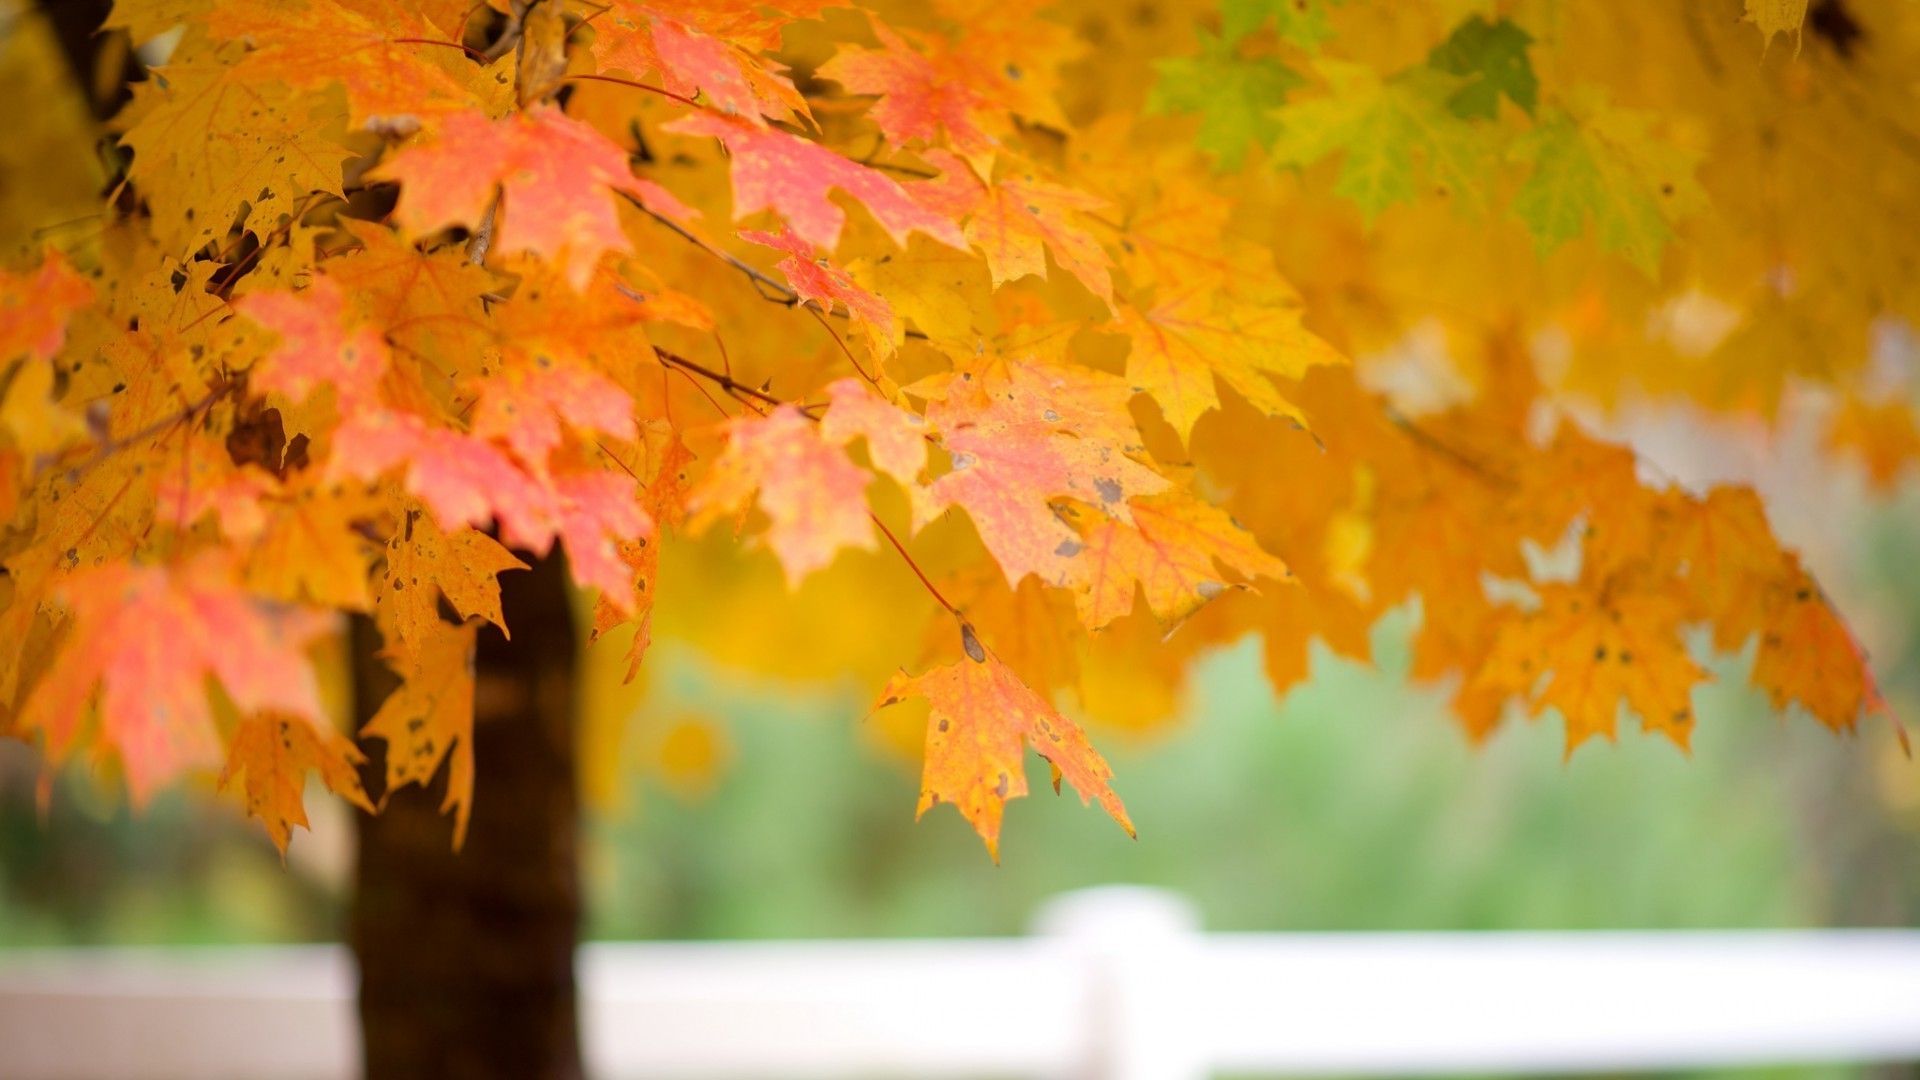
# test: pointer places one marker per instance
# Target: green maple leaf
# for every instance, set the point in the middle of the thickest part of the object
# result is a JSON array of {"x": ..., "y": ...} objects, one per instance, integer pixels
[
  {"x": 1383, "y": 127},
  {"x": 1494, "y": 56},
  {"x": 1596, "y": 163},
  {"x": 1234, "y": 97},
  {"x": 1302, "y": 22}
]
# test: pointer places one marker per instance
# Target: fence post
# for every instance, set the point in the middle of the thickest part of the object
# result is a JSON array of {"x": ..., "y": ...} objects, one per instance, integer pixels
[{"x": 1139, "y": 947}]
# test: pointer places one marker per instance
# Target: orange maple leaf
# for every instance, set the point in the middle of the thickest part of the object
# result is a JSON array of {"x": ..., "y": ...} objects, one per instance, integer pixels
[
  {"x": 35, "y": 307},
  {"x": 423, "y": 564},
  {"x": 1808, "y": 655},
  {"x": 271, "y": 754},
  {"x": 1603, "y": 651},
  {"x": 1015, "y": 221},
  {"x": 465, "y": 480},
  {"x": 813, "y": 494},
  {"x": 391, "y": 78},
  {"x": 1170, "y": 553},
  {"x": 429, "y": 719},
  {"x": 983, "y": 718},
  {"x": 149, "y": 637}
]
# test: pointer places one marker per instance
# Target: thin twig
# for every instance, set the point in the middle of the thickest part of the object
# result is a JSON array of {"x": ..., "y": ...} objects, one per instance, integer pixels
[
  {"x": 785, "y": 295},
  {"x": 915, "y": 567},
  {"x": 687, "y": 101},
  {"x": 724, "y": 382},
  {"x": 164, "y": 424}
]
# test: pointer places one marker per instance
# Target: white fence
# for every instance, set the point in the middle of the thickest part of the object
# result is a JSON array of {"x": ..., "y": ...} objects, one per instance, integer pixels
[{"x": 1117, "y": 984}]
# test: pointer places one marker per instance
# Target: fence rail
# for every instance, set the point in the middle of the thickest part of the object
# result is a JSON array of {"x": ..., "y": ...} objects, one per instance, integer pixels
[{"x": 1115, "y": 985}]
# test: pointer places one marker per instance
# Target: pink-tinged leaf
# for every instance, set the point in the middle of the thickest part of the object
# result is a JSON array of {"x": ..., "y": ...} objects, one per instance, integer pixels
[
  {"x": 524, "y": 406},
  {"x": 773, "y": 170},
  {"x": 896, "y": 438},
  {"x": 316, "y": 349},
  {"x": 34, "y": 308},
  {"x": 814, "y": 280},
  {"x": 557, "y": 178},
  {"x": 149, "y": 637},
  {"x": 920, "y": 95},
  {"x": 813, "y": 495},
  {"x": 667, "y": 38},
  {"x": 598, "y": 511},
  {"x": 1020, "y": 437},
  {"x": 463, "y": 479}
]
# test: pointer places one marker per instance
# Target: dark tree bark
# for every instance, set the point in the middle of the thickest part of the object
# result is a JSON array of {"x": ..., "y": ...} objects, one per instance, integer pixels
[{"x": 466, "y": 958}]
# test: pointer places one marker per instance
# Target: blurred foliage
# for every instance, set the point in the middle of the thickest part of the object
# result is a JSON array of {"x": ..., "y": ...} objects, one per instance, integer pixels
[
  {"x": 1352, "y": 805},
  {"x": 754, "y": 807}
]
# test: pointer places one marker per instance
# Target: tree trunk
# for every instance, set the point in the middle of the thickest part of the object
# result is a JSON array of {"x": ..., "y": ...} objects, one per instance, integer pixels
[{"x": 466, "y": 958}]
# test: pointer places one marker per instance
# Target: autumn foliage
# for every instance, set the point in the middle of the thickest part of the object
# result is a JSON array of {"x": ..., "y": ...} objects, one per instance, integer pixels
[{"x": 1042, "y": 346}]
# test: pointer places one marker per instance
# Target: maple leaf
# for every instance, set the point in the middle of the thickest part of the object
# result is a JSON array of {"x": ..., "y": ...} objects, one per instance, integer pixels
[
  {"x": 1233, "y": 96},
  {"x": 693, "y": 55},
  {"x": 813, "y": 280},
  {"x": 1494, "y": 56},
  {"x": 1302, "y": 22},
  {"x": 773, "y": 170},
  {"x": 309, "y": 550},
  {"x": 922, "y": 94},
  {"x": 1603, "y": 651},
  {"x": 665, "y": 504},
  {"x": 315, "y": 348},
  {"x": 1169, "y": 552},
  {"x": 1884, "y": 434},
  {"x": 424, "y": 564},
  {"x": 35, "y": 307},
  {"x": 30, "y": 414},
  {"x": 271, "y": 755},
  {"x": 1016, "y": 221},
  {"x": 464, "y": 480},
  {"x": 1187, "y": 339},
  {"x": 153, "y": 695},
  {"x": 524, "y": 406},
  {"x": 429, "y": 719},
  {"x": 598, "y": 512},
  {"x": 209, "y": 147},
  {"x": 1019, "y": 437},
  {"x": 896, "y": 438},
  {"x": 813, "y": 495},
  {"x": 390, "y": 79},
  {"x": 427, "y": 303},
  {"x": 1601, "y": 164},
  {"x": 983, "y": 719},
  {"x": 1807, "y": 655},
  {"x": 556, "y": 176},
  {"x": 1729, "y": 554},
  {"x": 1379, "y": 126}
]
